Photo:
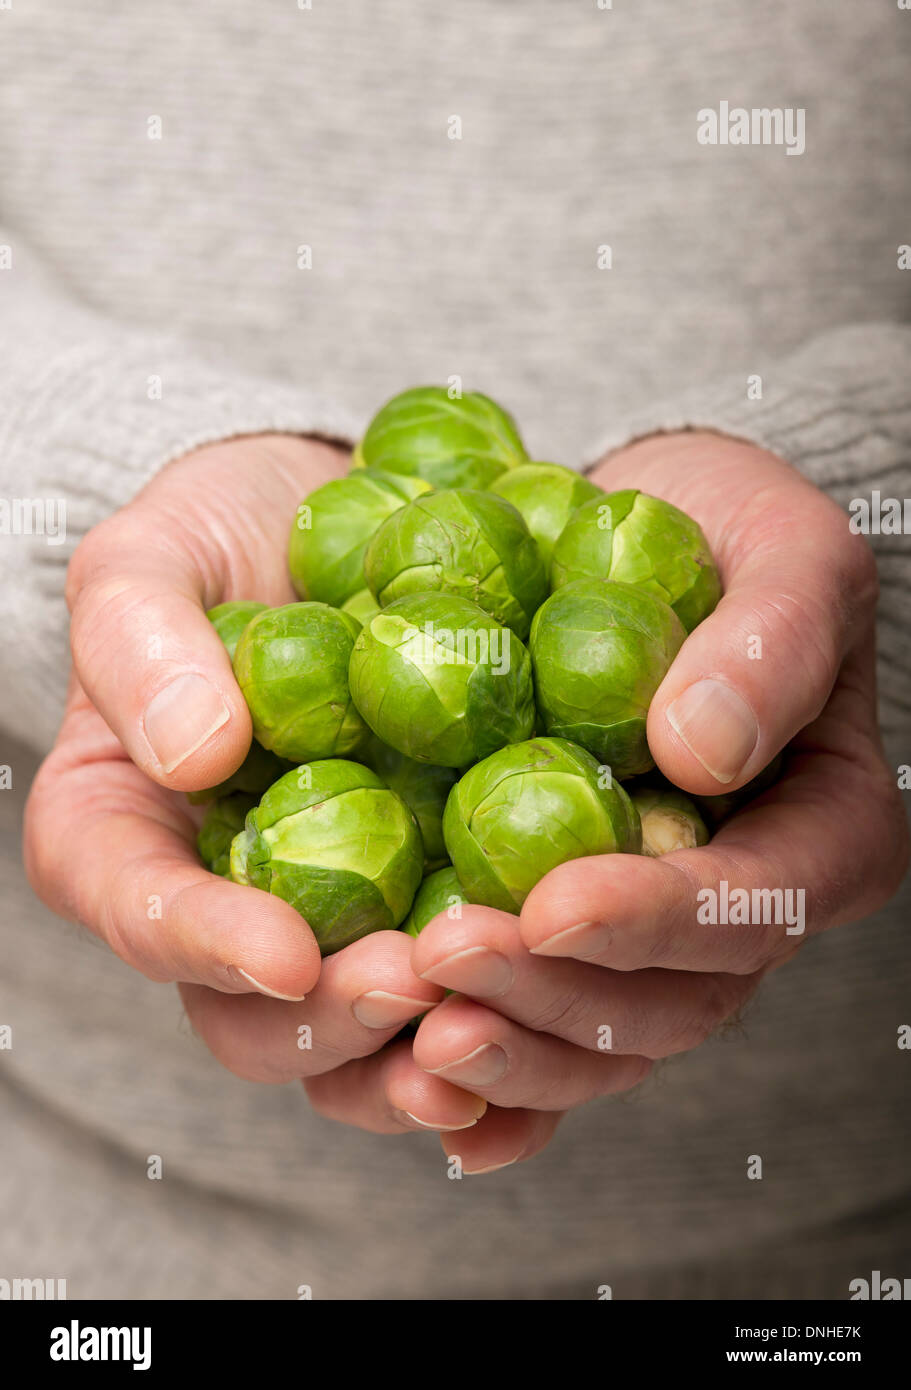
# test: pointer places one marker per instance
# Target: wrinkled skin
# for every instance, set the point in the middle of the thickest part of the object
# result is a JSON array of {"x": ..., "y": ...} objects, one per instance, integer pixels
[{"x": 791, "y": 572}]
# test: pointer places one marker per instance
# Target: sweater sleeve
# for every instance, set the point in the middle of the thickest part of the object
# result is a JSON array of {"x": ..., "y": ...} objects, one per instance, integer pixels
[
  {"x": 89, "y": 411},
  {"x": 839, "y": 410}
]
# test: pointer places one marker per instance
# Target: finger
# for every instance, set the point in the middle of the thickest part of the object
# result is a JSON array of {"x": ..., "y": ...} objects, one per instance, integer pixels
[
  {"x": 105, "y": 847},
  {"x": 499, "y": 1139},
  {"x": 827, "y": 845},
  {"x": 365, "y": 994},
  {"x": 389, "y": 1094},
  {"x": 511, "y": 1066},
  {"x": 650, "y": 1012},
  {"x": 147, "y": 656},
  {"x": 798, "y": 592}
]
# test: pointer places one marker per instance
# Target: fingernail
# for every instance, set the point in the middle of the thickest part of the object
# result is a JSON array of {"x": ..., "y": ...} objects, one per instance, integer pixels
[
  {"x": 260, "y": 988},
  {"x": 491, "y": 1167},
  {"x": 717, "y": 726},
  {"x": 480, "y": 1107},
  {"x": 380, "y": 1009},
  {"x": 182, "y": 717},
  {"x": 482, "y": 1067},
  {"x": 583, "y": 940},
  {"x": 476, "y": 971}
]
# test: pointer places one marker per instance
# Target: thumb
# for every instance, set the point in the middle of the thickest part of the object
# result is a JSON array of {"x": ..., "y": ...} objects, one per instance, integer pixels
[
  {"x": 148, "y": 657},
  {"x": 799, "y": 592}
]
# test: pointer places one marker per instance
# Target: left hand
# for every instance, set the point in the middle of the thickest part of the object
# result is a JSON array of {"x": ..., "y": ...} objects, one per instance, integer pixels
[{"x": 614, "y": 940}]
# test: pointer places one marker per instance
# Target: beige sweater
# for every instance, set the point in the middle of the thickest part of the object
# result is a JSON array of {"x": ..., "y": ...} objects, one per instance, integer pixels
[{"x": 130, "y": 256}]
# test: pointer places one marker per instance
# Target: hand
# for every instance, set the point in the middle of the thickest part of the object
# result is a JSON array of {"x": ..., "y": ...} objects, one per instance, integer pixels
[
  {"x": 614, "y": 941},
  {"x": 153, "y": 709}
]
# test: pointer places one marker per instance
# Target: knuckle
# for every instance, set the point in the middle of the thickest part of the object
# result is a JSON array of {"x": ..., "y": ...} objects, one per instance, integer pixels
[
  {"x": 556, "y": 1094},
  {"x": 97, "y": 598},
  {"x": 131, "y": 946},
  {"x": 663, "y": 943},
  {"x": 41, "y": 856},
  {"x": 241, "y": 1055},
  {"x": 618, "y": 1079},
  {"x": 332, "y": 1102},
  {"x": 858, "y": 574},
  {"x": 96, "y": 553},
  {"x": 82, "y": 562},
  {"x": 688, "y": 1032},
  {"x": 812, "y": 642},
  {"x": 721, "y": 998},
  {"x": 320, "y": 1098},
  {"x": 126, "y": 930},
  {"x": 638, "y": 1071},
  {"x": 892, "y": 847},
  {"x": 752, "y": 953},
  {"x": 563, "y": 1012}
]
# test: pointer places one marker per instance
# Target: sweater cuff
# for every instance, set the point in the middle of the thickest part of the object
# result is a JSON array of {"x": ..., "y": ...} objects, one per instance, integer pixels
[
  {"x": 95, "y": 423},
  {"x": 838, "y": 410}
]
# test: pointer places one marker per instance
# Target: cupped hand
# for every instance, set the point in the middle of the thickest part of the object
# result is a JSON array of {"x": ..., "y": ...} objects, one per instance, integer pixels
[
  {"x": 153, "y": 709},
  {"x": 609, "y": 966}
]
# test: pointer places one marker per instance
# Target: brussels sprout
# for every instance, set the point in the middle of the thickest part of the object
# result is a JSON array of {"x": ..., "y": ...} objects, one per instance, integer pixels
[
  {"x": 230, "y": 619},
  {"x": 669, "y": 821},
  {"x": 259, "y": 768},
  {"x": 337, "y": 845},
  {"x": 461, "y": 542},
  {"x": 333, "y": 525},
  {"x": 223, "y": 820},
  {"x": 640, "y": 540},
  {"x": 422, "y": 786},
  {"x": 452, "y": 443},
  {"x": 718, "y": 808},
  {"x": 440, "y": 892},
  {"x": 438, "y": 679},
  {"x": 600, "y": 650},
  {"x": 361, "y": 606},
  {"x": 292, "y": 665},
  {"x": 546, "y": 495},
  {"x": 524, "y": 810}
]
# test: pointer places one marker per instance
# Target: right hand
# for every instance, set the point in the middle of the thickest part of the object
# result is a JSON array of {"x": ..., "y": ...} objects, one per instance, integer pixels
[{"x": 153, "y": 710}]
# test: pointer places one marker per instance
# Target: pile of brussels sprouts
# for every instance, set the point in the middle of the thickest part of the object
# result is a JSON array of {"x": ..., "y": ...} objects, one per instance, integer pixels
[{"x": 453, "y": 706}]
